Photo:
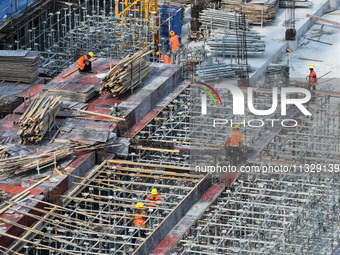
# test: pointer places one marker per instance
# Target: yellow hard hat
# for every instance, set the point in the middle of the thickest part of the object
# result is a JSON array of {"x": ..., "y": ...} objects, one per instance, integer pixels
[
  {"x": 237, "y": 127},
  {"x": 311, "y": 66},
  {"x": 139, "y": 205},
  {"x": 90, "y": 54},
  {"x": 154, "y": 192},
  {"x": 172, "y": 33}
]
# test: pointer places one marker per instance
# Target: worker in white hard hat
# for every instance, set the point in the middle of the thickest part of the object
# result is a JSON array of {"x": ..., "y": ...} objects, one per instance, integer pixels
[
  {"x": 84, "y": 63},
  {"x": 312, "y": 78}
]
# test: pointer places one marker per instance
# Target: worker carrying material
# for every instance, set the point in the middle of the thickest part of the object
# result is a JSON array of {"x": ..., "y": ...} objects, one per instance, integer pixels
[
  {"x": 233, "y": 144},
  {"x": 139, "y": 222},
  {"x": 166, "y": 59},
  {"x": 84, "y": 63},
  {"x": 153, "y": 198},
  {"x": 174, "y": 43},
  {"x": 311, "y": 78}
]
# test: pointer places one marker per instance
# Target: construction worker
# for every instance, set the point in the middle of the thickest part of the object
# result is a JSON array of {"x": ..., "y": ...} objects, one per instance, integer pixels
[
  {"x": 139, "y": 221},
  {"x": 233, "y": 143},
  {"x": 312, "y": 79},
  {"x": 174, "y": 43},
  {"x": 154, "y": 197},
  {"x": 166, "y": 59},
  {"x": 84, "y": 63}
]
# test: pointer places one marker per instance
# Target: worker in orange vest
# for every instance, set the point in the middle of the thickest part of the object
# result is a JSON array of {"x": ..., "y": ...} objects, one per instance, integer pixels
[
  {"x": 312, "y": 79},
  {"x": 153, "y": 198},
  {"x": 166, "y": 59},
  {"x": 174, "y": 42},
  {"x": 234, "y": 142},
  {"x": 139, "y": 222},
  {"x": 84, "y": 63}
]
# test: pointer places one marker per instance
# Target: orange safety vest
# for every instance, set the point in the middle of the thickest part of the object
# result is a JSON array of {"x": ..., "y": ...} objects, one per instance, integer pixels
[
  {"x": 82, "y": 62},
  {"x": 174, "y": 42},
  {"x": 312, "y": 78},
  {"x": 235, "y": 138},
  {"x": 139, "y": 220},
  {"x": 153, "y": 198},
  {"x": 166, "y": 58}
]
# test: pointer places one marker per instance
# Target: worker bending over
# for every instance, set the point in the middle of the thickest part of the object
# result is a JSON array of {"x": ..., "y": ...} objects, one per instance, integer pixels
[
  {"x": 174, "y": 42},
  {"x": 312, "y": 79},
  {"x": 233, "y": 143},
  {"x": 166, "y": 59},
  {"x": 139, "y": 222},
  {"x": 84, "y": 63}
]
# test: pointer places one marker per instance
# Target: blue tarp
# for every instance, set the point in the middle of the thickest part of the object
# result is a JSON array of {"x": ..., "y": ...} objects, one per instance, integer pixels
[
  {"x": 175, "y": 21},
  {"x": 18, "y": 8}
]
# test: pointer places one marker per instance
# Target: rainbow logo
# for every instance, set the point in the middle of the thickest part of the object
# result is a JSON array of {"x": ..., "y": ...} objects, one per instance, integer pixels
[{"x": 204, "y": 97}]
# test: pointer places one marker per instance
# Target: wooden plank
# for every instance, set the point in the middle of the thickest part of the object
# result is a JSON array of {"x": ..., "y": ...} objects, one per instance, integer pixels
[{"x": 323, "y": 20}]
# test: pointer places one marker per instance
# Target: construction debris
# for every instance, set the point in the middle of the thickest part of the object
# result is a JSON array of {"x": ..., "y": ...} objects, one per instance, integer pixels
[
  {"x": 126, "y": 74},
  {"x": 38, "y": 118},
  {"x": 19, "y": 65},
  {"x": 257, "y": 13}
]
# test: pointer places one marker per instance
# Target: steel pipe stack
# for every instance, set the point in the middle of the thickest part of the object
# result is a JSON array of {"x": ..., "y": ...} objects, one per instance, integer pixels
[
  {"x": 216, "y": 19},
  {"x": 229, "y": 44},
  {"x": 217, "y": 70}
]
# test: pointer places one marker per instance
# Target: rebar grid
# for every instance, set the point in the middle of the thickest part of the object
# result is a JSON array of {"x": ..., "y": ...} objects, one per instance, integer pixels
[
  {"x": 270, "y": 214},
  {"x": 316, "y": 140},
  {"x": 97, "y": 216},
  {"x": 108, "y": 28}
]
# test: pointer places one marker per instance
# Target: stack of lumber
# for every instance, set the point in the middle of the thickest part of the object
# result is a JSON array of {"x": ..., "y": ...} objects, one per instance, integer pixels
[
  {"x": 38, "y": 118},
  {"x": 126, "y": 74},
  {"x": 19, "y": 65},
  {"x": 22, "y": 164},
  {"x": 255, "y": 12},
  {"x": 72, "y": 92}
]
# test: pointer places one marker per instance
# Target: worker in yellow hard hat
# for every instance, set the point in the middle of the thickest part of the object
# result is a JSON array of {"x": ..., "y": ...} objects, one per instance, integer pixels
[
  {"x": 311, "y": 78},
  {"x": 84, "y": 63},
  {"x": 233, "y": 143},
  {"x": 174, "y": 43},
  {"x": 153, "y": 198},
  {"x": 139, "y": 222}
]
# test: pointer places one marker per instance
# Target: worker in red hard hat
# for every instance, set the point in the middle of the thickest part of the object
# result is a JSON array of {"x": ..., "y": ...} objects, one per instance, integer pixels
[
  {"x": 174, "y": 42},
  {"x": 84, "y": 63},
  {"x": 312, "y": 78}
]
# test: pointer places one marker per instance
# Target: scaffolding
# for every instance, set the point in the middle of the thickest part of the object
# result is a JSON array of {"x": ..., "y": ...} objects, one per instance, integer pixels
[
  {"x": 270, "y": 214},
  {"x": 97, "y": 216},
  {"x": 63, "y": 32}
]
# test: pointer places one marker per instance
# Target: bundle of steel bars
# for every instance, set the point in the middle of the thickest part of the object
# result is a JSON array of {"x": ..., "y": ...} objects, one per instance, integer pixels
[
  {"x": 126, "y": 74},
  {"x": 38, "y": 118},
  {"x": 229, "y": 44},
  {"x": 217, "y": 19}
]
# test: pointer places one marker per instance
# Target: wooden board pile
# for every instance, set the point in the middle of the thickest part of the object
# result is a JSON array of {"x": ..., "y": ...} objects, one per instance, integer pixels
[
  {"x": 22, "y": 164},
  {"x": 126, "y": 74},
  {"x": 74, "y": 92},
  {"x": 257, "y": 13},
  {"x": 19, "y": 65},
  {"x": 38, "y": 118}
]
